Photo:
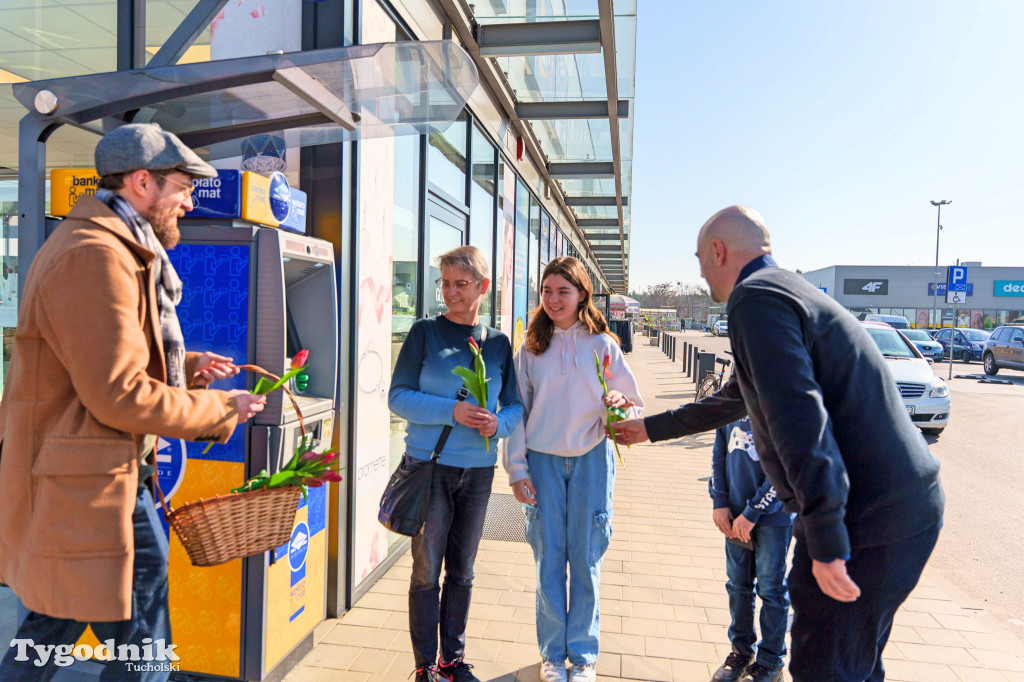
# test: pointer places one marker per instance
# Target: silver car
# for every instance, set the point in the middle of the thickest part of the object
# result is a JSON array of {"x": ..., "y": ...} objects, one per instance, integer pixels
[{"x": 925, "y": 395}]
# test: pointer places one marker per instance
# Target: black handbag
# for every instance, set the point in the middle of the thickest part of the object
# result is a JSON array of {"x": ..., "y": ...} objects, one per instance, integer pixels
[{"x": 403, "y": 506}]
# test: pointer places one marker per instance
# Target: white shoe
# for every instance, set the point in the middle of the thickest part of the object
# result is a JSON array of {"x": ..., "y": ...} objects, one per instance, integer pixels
[
  {"x": 584, "y": 673},
  {"x": 553, "y": 672}
]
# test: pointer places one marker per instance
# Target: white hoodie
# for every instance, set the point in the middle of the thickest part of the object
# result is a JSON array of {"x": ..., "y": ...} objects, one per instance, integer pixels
[{"x": 563, "y": 411}]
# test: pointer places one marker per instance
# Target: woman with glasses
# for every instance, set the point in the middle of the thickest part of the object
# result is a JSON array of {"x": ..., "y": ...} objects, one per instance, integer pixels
[
  {"x": 423, "y": 392},
  {"x": 562, "y": 466}
]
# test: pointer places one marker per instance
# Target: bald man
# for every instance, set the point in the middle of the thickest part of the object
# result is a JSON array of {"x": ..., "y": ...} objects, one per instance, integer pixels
[{"x": 835, "y": 440}]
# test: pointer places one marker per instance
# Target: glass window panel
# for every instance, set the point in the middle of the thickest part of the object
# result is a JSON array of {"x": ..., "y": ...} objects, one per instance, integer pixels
[
  {"x": 588, "y": 187},
  {"x": 575, "y": 140},
  {"x": 625, "y": 54},
  {"x": 504, "y": 11},
  {"x": 446, "y": 158},
  {"x": 521, "y": 276},
  {"x": 534, "y": 258},
  {"x": 545, "y": 240},
  {"x": 588, "y": 212},
  {"x": 481, "y": 209},
  {"x": 162, "y": 18},
  {"x": 406, "y": 240},
  {"x": 560, "y": 77}
]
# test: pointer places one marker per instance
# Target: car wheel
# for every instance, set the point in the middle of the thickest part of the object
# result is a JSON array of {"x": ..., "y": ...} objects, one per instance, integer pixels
[
  {"x": 991, "y": 368},
  {"x": 966, "y": 357},
  {"x": 932, "y": 432}
]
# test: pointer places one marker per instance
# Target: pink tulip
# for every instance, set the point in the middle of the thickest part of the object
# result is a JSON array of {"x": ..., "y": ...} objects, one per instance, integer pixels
[
  {"x": 607, "y": 364},
  {"x": 306, "y": 456},
  {"x": 299, "y": 361},
  {"x": 312, "y": 482},
  {"x": 474, "y": 344},
  {"x": 328, "y": 457},
  {"x": 331, "y": 477}
]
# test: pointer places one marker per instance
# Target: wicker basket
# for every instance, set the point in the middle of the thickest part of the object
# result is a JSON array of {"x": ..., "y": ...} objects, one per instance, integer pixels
[
  {"x": 233, "y": 526},
  {"x": 237, "y": 525}
]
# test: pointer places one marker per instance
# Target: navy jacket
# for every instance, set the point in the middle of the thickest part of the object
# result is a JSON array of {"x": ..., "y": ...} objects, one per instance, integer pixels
[
  {"x": 833, "y": 434},
  {"x": 738, "y": 481}
]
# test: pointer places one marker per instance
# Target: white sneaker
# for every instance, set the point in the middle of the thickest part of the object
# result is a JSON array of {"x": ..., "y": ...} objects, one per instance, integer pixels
[
  {"x": 553, "y": 672},
  {"x": 584, "y": 673}
]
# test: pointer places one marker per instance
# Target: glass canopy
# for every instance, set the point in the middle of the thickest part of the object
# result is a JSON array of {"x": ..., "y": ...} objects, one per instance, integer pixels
[{"x": 384, "y": 89}]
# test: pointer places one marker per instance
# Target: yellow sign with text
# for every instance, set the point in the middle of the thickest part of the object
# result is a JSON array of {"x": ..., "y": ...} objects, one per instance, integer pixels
[
  {"x": 67, "y": 185},
  {"x": 256, "y": 199}
]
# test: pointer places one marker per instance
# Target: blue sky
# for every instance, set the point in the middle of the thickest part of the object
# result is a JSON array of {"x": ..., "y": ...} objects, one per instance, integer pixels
[{"x": 838, "y": 121}]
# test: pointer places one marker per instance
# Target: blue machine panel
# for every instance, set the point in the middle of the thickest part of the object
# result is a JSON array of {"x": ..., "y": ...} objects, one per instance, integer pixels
[{"x": 214, "y": 316}]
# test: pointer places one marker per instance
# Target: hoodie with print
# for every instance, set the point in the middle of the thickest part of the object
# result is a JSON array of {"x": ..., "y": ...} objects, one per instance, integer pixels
[
  {"x": 737, "y": 480},
  {"x": 563, "y": 411}
]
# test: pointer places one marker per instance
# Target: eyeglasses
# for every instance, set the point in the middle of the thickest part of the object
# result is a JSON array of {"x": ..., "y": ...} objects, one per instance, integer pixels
[
  {"x": 459, "y": 284},
  {"x": 187, "y": 188}
]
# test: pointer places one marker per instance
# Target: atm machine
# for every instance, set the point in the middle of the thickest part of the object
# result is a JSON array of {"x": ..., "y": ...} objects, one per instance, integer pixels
[{"x": 257, "y": 290}]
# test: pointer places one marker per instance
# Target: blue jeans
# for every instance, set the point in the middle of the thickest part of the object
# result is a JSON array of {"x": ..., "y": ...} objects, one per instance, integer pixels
[
  {"x": 570, "y": 525},
  {"x": 150, "y": 616},
  {"x": 837, "y": 641},
  {"x": 451, "y": 533},
  {"x": 764, "y": 571}
]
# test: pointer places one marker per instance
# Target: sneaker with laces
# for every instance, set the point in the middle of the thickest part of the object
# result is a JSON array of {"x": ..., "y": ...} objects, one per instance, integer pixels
[
  {"x": 583, "y": 673},
  {"x": 756, "y": 672},
  {"x": 735, "y": 664},
  {"x": 427, "y": 673},
  {"x": 553, "y": 672},
  {"x": 456, "y": 671}
]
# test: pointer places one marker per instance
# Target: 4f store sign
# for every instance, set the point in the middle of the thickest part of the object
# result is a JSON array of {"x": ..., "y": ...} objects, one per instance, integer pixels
[{"x": 866, "y": 287}]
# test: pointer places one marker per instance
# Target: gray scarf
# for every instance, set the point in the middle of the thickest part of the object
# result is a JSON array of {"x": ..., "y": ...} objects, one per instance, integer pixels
[{"x": 168, "y": 285}]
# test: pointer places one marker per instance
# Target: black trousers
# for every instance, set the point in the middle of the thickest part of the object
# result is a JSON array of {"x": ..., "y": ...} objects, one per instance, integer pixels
[
  {"x": 451, "y": 534},
  {"x": 843, "y": 642}
]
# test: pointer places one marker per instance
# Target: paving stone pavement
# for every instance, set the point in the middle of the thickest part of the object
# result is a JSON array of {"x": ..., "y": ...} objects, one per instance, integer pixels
[{"x": 664, "y": 610}]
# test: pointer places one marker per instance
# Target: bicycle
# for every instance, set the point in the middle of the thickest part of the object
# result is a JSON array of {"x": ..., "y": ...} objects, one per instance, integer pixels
[{"x": 712, "y": 382}]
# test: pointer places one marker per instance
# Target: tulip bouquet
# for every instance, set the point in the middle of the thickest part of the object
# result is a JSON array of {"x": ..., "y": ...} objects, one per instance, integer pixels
[
  {"x": 612, "y": 414},
  {"x": 475, "y": 380},
  {"x": 306, "y": 468}
]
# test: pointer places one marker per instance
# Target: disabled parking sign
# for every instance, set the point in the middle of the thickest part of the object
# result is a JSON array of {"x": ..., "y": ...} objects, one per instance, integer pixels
[{"x": 956, "y": 284}]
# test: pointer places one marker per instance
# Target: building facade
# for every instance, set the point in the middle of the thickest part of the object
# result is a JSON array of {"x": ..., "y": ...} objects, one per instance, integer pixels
[
  {"x": 994, "y": 295},
  {"x": 536, "y": 166}
]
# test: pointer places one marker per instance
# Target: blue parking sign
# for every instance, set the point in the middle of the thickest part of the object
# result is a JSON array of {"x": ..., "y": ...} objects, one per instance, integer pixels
[{"x": 956, "y": 284}]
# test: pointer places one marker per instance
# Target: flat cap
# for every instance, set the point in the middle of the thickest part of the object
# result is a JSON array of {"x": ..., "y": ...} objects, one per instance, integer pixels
[{"x": 147, "y": 146}]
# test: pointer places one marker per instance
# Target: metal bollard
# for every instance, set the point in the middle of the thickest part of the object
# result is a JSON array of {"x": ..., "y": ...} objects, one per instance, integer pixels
[
  {"x": 674, "y": 340},
  {"x": 693, "y": 363},
  {"x": 686, "y": 357}
]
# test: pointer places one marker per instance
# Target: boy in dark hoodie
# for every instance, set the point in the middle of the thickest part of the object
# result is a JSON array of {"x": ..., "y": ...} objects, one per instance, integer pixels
[{"x": 757, "y": 531}]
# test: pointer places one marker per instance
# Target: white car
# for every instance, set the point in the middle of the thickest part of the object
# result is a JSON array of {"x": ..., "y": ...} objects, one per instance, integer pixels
[
  {"x": 721, "y": 328},
  {"x": 925, "y": 395}
]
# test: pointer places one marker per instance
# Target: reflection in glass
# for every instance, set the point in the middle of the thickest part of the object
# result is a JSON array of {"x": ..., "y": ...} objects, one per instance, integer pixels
[
  {"x": 481, "y": 210},
  {"x": 443, "y": 238},
  {"x": 534, "y": 259},
  {"x": 446, "y": 158},
  {"x": 8, "y": 270}
]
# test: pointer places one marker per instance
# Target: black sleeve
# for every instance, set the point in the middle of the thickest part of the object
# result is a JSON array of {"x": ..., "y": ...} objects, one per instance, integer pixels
[
  {"x": 768, "y": 342},
  {"x": 718, "y": 409}
]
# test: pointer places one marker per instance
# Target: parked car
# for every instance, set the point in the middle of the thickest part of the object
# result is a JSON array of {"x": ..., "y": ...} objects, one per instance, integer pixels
[
  {"x": 925, "y": 395},
  {"x": 929, "y": 347},
  {"x": 1005, "y": 348},
  {"x": 894, "y": 321},
  {"x": 721, "y": 328},
  {"x": 968, "y": 344}
]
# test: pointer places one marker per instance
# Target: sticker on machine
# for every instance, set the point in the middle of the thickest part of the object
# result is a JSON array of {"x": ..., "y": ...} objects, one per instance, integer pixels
[{"x": 170, "y": 465}]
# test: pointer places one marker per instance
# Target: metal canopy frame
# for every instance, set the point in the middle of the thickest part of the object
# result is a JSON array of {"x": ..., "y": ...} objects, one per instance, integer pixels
[{"x": 485, "y": 41}]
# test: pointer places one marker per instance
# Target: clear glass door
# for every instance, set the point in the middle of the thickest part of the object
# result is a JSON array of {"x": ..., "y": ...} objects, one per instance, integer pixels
[{"x": 446, "y": 230}]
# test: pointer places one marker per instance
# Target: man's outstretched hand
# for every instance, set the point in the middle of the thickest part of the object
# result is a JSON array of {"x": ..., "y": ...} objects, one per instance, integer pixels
[
  {"x": 834, "y": 581},
  {"x": 629, "y": 432}
]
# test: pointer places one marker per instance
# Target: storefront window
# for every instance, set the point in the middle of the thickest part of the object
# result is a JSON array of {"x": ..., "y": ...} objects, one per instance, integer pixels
[
  {"x": 481, "y": 209},
  {"x": 534, "y": 284},
  {"x": 503, "y": 309},
  {"x": 446, "y": 159},
  {"x": 9, "y": 275}
]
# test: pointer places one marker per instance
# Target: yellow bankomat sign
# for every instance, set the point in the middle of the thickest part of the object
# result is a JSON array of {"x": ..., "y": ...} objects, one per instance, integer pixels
[{"x": 67, "y": 185}]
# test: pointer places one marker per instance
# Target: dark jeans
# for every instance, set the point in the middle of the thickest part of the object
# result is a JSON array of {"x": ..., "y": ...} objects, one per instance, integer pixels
[
  {"x": 150, "y": 616},
  {"x": 455, "y": 522},
  {"x": 843, "y": 642},
  {"x": 763, "y": 570}
]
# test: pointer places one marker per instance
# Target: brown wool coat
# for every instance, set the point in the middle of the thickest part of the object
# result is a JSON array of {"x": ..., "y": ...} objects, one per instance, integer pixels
[{"x": 87, "y": 381}]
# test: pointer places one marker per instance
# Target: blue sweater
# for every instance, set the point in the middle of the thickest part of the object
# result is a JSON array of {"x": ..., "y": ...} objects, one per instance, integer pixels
[
  {"x": 424, "y": 390},
  {"x": 737, "y": 480}
]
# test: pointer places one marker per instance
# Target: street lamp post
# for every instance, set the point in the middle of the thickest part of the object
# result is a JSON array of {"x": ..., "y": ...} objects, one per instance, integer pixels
[{"x": 935, "y": 286}]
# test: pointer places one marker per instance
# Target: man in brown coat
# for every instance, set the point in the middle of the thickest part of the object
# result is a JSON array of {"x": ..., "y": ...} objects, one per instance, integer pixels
[{"x": 99, "y": 370}]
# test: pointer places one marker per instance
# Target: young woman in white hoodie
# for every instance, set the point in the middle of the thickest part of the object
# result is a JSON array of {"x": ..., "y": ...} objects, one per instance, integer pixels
[{"x": 562, "y": 466}]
